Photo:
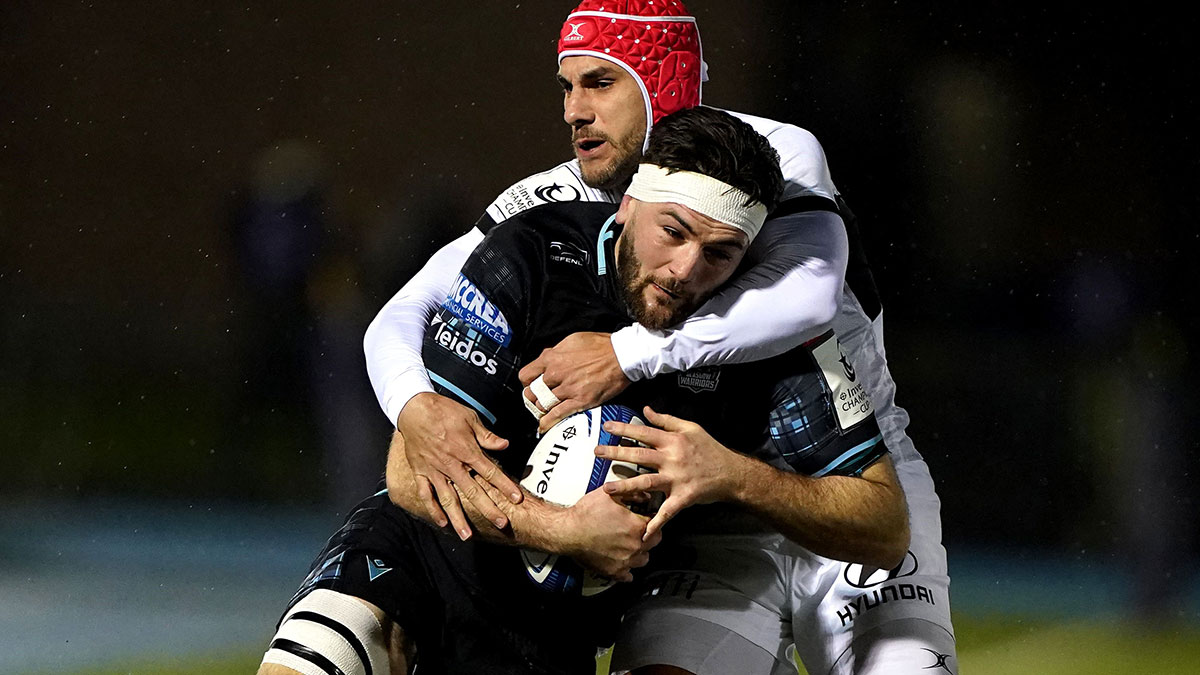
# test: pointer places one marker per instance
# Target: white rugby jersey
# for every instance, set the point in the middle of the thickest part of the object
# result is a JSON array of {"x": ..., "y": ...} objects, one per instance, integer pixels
[{"x": 798, "y": 287}]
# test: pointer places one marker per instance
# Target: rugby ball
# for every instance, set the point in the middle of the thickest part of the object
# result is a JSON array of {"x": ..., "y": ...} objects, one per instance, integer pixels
[{"x": 562, "y": 469}]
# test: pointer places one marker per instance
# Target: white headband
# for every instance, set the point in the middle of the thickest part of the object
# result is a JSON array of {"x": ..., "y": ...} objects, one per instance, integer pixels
[{"x": 704, "y": 194}]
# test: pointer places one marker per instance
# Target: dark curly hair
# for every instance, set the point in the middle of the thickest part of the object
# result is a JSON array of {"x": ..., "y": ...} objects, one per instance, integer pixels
[{"x": 718, "y": 145}]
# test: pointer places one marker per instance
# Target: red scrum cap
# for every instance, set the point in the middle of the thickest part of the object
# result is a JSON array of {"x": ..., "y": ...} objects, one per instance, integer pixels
[{"x": 654, "y": 40}]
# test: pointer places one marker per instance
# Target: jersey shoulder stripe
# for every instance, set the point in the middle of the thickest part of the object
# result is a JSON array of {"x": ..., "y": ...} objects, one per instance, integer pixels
[{"x": 563, "y": 183}]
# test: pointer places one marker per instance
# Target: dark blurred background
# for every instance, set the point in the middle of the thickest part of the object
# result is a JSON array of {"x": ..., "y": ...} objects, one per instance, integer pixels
[{"x": 202, "y": 206}]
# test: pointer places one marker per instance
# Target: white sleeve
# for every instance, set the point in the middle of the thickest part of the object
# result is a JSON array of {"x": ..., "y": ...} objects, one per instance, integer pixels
[
  {"x": 393, "y": 340},
  {"x": 787, "y": 298}
]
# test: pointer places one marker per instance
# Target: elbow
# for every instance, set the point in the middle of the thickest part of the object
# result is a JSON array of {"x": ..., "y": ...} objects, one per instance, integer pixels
[
  {"x": 825, "y": 313},
  {"x": 371, "y": 335},
  {"x": 815, "y": 316}
]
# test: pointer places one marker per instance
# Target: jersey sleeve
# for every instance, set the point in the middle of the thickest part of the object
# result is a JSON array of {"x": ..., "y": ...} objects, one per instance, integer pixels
[
  {"x": 392, "y": 342},
  {"x": 789, "y": 295},
  {"x": 563, "y": 183},
  {"x": 474, "y": 343},
  {"x": 824, "y": 425}
]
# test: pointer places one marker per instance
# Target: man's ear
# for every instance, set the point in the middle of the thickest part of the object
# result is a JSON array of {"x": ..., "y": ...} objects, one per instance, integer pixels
[{"x": 625, "y": 208}]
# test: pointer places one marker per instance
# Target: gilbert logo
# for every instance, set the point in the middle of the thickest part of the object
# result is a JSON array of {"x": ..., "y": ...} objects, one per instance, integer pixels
[{"x": 574, "y": 35}]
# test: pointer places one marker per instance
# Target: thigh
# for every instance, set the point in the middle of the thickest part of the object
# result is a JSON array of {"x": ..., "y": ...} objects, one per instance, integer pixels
[
  {"x": 422, "y": 580},
  {"x": 849, "y": 601},
  {"x": 724, "y": 613},
  {"x": 378, "y": 556}
]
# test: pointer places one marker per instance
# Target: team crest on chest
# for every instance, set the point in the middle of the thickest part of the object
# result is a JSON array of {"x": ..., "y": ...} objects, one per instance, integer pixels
[{"x": 701, "y": 380}]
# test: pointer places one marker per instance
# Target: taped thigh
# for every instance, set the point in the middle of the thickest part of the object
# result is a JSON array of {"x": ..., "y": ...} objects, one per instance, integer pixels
[{"x": 330, "y": 632}]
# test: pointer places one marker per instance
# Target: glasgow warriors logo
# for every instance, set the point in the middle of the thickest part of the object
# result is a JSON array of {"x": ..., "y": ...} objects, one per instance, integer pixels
[{"x": 557, "y": 193}]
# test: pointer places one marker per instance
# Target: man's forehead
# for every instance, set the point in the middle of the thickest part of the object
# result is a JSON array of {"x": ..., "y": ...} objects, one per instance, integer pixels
[
  {"x": 708, "y": 229},
  {"x": 588, "y": 66}
]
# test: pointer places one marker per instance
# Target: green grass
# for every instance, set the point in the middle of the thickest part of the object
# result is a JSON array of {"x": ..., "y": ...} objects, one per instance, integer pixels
[{"x": 986, "y": 646}]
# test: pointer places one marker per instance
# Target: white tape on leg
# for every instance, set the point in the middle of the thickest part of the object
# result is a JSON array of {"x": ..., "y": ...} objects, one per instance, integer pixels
[{"x": 330, "y": 628}]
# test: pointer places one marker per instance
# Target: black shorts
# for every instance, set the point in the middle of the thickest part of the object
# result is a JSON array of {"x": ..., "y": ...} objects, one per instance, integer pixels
[{"x": 467, "y": 605}]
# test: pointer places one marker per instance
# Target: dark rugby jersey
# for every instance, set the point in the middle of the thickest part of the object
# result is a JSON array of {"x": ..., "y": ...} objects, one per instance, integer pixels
[{"x": 550, "y": 271}]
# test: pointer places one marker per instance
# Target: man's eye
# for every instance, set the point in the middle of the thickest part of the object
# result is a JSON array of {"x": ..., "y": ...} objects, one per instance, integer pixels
[
  {"x": 672, "y": 232},
  {"x": 604, "y": 84}
]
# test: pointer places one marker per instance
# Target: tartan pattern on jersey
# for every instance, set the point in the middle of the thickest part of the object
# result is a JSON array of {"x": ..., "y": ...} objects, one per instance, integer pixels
[
  {"x": 327, "y": 566},
  {"x": 801, "y": 423}
]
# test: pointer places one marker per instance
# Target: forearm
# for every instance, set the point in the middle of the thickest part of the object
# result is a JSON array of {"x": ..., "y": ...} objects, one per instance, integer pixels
[
  {"x": 789, "y": 296},
  {"x": 860, "y": 519},
  {"x": 392, "y": 342},
  {"x": 534, "y": 523}
]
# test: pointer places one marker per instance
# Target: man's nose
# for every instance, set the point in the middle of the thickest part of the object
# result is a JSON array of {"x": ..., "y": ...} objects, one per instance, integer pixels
[
  {"x": 577, "y": 109},
  {"x": 685, "y": 265}
]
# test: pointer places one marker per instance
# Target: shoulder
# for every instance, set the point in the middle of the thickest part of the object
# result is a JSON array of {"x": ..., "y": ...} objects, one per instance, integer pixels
[
  {"x": 566, "y": 230},
  {"x": 801, "y": 157},
  {"x": 561, "y": 184}
]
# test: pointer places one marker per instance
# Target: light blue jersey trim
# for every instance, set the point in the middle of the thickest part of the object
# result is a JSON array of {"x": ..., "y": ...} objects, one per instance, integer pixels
[
  {"x": 463, "y": 395},
  {"x": 606, "y": 233},
  {"x": 865, "y": 445}
]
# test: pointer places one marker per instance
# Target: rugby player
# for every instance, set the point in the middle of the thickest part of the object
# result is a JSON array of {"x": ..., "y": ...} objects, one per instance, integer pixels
[
  {"x": 388, "y": 589},
  {"x": 858, "y": 618}
]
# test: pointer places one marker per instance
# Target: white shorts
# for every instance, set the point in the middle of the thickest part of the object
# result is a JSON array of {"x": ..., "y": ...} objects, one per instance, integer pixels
[{"x": 747, "y": 605}]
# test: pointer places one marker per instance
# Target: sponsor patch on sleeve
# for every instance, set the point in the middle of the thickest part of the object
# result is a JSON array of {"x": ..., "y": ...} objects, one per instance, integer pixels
[
  {"x": 849, "y": 396},
  {"x": 556, "y": 185}
]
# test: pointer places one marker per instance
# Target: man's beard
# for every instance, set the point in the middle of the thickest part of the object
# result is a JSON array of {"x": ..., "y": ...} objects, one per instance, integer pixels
[
  {"x": 626, "y": 155},
  {"x": 656, "y": 318}
]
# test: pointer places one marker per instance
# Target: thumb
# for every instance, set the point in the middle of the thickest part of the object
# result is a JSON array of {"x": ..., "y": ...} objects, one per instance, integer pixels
[
  {"x": 486, "y": 439},
  {"x": 666, "y": 512},
  {"x": 664, "y": 421}
]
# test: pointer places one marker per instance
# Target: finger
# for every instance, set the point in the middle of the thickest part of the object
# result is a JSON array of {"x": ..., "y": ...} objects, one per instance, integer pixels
[
  {"x": 634, "y": 454},
  {"x": 470, "y": 491},
  {"x": 639, "y": 560},
  {"x": 531, "y": 405},
  {"x": 647, "y": 482},
  {"x": 665, "y": 421},
  {"x": 638, "y": 432},
  {"x": 546, "y": 398},
  {"x": 485, "y": 438},
  {"x": 636, "y": 498},
  {"x": 495, "y": 476},
  {"x": 534, "y": 368},
  {"x": 559, "y": 413},
  {"x": 448, "y": 498},
  {"x": 652, "y": 539},
  {"x": 666, "y": 512},
  {"x": 426, "y": 498}
]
